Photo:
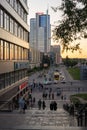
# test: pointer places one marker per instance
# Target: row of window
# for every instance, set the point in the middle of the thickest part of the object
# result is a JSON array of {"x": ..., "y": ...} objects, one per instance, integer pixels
[
  {"x": 18, "y": 8},
  {"x": 9, "y": 51},
  {"x": 7, "y": 79},
  {"x": 10, "y": 25}
]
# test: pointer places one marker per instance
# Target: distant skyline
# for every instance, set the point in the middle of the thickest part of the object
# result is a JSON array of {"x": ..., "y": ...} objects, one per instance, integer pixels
[{"x": 42, "y": 6}]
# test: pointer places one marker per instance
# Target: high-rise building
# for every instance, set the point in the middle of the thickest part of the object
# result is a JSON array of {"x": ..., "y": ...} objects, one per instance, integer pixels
[
  {"x": 14, "y": 42},
  {"x": 40, "y": 32}
]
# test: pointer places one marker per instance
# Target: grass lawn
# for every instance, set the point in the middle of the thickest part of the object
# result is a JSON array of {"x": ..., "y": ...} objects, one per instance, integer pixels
[
  {"x": 75, "y": 73},
  {"x": 76, "y": 100},
  {"x": 81, "y": 95}
]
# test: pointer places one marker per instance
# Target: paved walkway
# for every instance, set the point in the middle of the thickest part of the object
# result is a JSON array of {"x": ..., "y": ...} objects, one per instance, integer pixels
[{"x": 35, "y": 118}]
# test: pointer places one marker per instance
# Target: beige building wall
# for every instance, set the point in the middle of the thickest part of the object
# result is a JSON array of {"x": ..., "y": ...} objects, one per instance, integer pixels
[
  {"x": 11, "y": 38},
  {"x": 35, "y": 58}
]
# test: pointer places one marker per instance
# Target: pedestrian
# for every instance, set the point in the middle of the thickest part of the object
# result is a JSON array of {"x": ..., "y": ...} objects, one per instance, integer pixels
[
  {"x": 25, "y": 105},
  {"x": 49, "y": 95},
  {"x": 43, "y": 105},
  {"x": 39, "y": 104},
  {"x": 33, "y": 101},
  {"x": 21, "y": 104},
  {"x": 62, "y": 97},
  {"x": 55, "y": 105},
  {"x": 51, "y": 105},
  {"x": 52, "y": 96}
]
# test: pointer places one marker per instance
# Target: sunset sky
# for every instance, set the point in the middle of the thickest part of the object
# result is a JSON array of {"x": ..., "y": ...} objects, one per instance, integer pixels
[{"x": 42, "y": 6}]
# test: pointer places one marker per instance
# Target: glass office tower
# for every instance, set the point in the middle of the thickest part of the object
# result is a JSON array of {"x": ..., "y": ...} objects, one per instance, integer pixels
[
  {"x": 43, "y": 23},
  {"x": 40, "y": 32}
]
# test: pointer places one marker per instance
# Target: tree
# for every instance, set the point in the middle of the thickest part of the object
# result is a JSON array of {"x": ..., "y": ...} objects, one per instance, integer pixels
[{"x": 73, "y": 26}]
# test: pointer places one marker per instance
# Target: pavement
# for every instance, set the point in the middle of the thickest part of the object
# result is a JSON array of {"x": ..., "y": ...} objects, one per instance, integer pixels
[{"x": 35, "y": 119}]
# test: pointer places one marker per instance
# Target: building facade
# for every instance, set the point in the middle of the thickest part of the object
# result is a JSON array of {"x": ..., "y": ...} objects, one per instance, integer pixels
[
  {"x": 56, "y": 53},
  {"x": 43, "y": 32},
  {"x": 40, "y": 33},
  {"x": 14, "y": 42}
]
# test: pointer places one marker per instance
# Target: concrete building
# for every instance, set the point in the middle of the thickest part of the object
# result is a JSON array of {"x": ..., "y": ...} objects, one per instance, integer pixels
[
  {"x": 43, "y": 32},
  {"x": 40, "y": 33},
  {"x": 14, "y": 43}
]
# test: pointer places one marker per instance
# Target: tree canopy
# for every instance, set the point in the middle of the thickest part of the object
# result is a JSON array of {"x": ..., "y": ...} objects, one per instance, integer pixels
[{"x": 73, "y": 26}]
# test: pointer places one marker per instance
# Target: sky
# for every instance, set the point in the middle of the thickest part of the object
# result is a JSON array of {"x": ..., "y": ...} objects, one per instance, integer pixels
[{"x": 41, "y": 6}]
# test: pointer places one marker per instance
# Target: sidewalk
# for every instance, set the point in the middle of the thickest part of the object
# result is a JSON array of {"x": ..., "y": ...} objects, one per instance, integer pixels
[{"x": 35, "y": 118}]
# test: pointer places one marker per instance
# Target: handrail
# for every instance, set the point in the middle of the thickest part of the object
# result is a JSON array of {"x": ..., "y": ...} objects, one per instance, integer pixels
[{"x": 10, "y": 100}]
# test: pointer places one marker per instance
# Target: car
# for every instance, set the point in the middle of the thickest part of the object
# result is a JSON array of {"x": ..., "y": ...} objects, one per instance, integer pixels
[
  {"x": 47, "y": 82},
  {"x": 59, "y": 91},
  {"x": 55, "y": 82},
  {"x": 63, "y": 81}
]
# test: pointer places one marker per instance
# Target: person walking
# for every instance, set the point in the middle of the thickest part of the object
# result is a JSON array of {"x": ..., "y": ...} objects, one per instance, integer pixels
[
  {"x": 52, "y": 96},
  {"x": 39, "y": 104},
  {"x": 22, "y": 104},
  {"x": 43, "y": 105},
  {"x": 49, "y": 95}
]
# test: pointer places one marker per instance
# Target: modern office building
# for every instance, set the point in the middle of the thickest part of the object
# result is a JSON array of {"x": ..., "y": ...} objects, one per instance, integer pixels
[
  {"x": 14, "y": 43},
  {"x": 40, "y": 32}
]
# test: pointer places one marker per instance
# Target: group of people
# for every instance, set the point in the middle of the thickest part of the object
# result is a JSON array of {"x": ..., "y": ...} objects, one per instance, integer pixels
[
  {"x": 48, "y": 95},
  {"x": 41, "y": 104},
  {"x": 53, "y": 105}
]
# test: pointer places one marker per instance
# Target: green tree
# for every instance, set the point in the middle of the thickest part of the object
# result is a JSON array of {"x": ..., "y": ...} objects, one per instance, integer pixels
[
  {"x": 73, "y": 26},
  {"x": 70, "y": 62}
]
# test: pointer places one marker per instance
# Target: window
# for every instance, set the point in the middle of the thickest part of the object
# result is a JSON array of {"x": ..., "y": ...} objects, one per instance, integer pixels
[
  {"x": 12, "y": 3},
  {"x": 1, "y": 18},
  {"x": 25, "y": 17},
  {"x": 8, "y": 23},
  {"x": 19, "y": 31},
  {"x": 1, "y": 50},
  {"x": 6, "y": 51},
  {"x": 15, "y": 52},
  {"x": 5, "y": 20},
  {"x": 15, "y": 29},
  {"x": 11, "y": 25},
  {"x": 11, "y": 52},
  {"x": 15, "y": 4},
  {"x": 19, "y": 8}
]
